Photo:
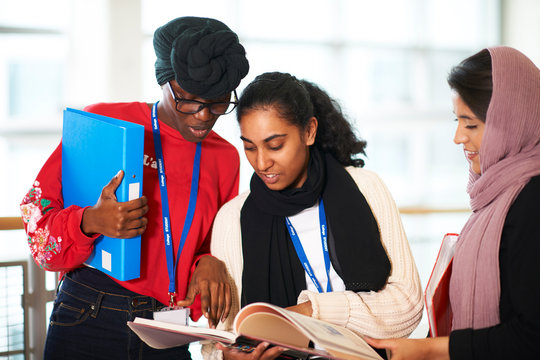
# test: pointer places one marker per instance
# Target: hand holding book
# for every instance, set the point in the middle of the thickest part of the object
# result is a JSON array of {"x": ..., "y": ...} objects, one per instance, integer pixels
[
  {"x": 256, "y": 351},
  {"x": 262, "y": 322}
]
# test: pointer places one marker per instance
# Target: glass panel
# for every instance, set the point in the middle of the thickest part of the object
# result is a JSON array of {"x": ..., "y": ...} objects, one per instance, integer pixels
[
  {"x": 285, "y": 20},
  {"x": 35, "y": 14},
  {"x": 425, "y": 233},
  {"x": 24, "y": 155},
  {"x": 460, "y": 23},
  {"x": 35, "y": 88},
  {"x": 51, "y": 279},
  {"x": 157, "y": 13},
  {"x": 48, "y": 310},
  {"x": 13, "y": 246},
  {"x": 151, "y": 91},
  {"x": 374, "y": 23},
  {"x": 437, "y": 65},
  {"x": 32, "y": 70},
  {"x": 445, "y": 183},
  {"x": 11, "y": 311},
  {"x": 265, "y": 57}
]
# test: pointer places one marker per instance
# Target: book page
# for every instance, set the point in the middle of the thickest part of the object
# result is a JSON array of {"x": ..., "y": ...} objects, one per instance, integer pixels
[
  {"x": 334, "y": 339},
  {"x": 162, "y": 335},
  {"x": 337, "y": 340},
  {"x": 273, "y": 328}
]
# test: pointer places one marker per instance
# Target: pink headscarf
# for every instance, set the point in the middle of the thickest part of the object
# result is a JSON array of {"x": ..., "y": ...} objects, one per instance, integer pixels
[{"x": 509, "y": 157}]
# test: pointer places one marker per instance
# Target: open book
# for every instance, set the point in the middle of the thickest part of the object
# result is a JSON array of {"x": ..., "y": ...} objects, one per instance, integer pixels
[
  {"x": 264, "y": 322},
  {"x": 437, "y": 297}
]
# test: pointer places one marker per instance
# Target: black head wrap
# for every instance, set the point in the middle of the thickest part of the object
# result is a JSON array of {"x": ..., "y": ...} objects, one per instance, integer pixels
[{"x": 203, "y": 55}]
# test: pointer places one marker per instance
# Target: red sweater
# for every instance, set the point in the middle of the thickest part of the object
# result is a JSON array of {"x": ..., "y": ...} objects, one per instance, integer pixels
[{"x": 54, "y": 233}]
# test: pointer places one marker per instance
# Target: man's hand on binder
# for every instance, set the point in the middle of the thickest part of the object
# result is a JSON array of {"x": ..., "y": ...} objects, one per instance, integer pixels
[
  {"x": 115, "y": 219},
  {"x": 210, "y": 280}
]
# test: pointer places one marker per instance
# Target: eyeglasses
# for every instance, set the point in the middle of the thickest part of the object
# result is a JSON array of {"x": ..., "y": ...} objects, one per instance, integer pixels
[{"x": 186, "y": 106}]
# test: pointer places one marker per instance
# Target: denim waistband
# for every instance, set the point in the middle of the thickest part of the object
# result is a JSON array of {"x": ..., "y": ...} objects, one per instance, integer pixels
[{"x": 118, "y": 300}]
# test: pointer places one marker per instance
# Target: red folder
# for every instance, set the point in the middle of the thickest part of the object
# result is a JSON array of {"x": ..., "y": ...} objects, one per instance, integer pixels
[{"x": 436, "y": 297}]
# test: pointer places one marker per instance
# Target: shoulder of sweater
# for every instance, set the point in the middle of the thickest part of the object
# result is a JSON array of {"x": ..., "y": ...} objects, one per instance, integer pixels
[
  {"x": 369, "y": 183},
  {"x": 362, "y": 174},
  {"x": 233, "y": 206}
]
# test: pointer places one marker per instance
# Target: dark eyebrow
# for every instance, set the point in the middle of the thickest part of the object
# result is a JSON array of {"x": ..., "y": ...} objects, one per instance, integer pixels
[
  {"x": 182, "y": 95},
  {"x": 467, "y": 117},
  {"x": 270, "y": 138}
]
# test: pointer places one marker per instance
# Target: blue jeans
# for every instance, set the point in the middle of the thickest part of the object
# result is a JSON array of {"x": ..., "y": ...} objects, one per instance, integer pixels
[{"x": 89, "y": 318}]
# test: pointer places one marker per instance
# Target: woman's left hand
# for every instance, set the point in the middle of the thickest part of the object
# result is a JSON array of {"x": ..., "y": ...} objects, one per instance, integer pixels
[
  {"x": 302, "y": 308},
  {"x": 210, "y": 280},
  {"x": 401, "y": 349}
]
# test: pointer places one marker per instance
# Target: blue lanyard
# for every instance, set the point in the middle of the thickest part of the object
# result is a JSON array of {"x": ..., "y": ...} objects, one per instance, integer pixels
[
  {"x": 169, "y": 253},
  {"x": 302, "y": 255}
]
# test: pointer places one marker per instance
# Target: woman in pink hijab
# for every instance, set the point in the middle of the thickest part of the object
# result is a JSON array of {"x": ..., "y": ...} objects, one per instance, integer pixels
[{"x": 495, "y": 283}]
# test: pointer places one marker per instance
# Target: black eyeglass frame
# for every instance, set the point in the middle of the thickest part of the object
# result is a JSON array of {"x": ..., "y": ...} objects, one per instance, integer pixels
[{"x": 202, "y": 105}]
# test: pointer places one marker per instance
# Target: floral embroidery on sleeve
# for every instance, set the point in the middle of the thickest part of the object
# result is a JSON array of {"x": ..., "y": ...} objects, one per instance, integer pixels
[{"x": 42, "y": 245}]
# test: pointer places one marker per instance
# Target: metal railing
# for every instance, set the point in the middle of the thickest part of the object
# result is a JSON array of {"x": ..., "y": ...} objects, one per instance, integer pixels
[
  {"x": 13, "y": 311},
  {"x": 22, "y": 280}
]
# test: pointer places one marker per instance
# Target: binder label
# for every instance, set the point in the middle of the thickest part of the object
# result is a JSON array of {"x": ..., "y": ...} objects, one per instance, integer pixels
[
  {"x": 134, "y": 191},
  {"x": 106, "y": 260}
]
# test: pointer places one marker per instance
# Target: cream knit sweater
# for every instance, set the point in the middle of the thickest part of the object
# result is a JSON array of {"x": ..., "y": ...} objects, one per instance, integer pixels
[{"x": 394, "y": 311}]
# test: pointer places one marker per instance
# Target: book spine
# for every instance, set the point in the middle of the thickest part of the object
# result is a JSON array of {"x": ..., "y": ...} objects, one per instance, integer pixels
[
  {"x": 130, "y": 189},
  {"x": 133, "y": 174}
]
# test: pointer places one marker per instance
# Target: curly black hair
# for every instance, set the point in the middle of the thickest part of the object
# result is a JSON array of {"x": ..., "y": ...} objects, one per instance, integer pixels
[{"x": 297, "y": 101}]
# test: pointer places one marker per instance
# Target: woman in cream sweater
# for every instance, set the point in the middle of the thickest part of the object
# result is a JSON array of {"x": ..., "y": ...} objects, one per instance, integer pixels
[{"x": 317, "y": 233}]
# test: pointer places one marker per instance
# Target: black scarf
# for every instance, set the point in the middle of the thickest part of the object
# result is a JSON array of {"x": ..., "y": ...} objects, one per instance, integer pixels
[{"x": 272, "y": 272}]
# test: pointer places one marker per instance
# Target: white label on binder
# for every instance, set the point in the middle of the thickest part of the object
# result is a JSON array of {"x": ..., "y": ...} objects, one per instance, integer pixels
[
  {"x": 134, "y": 191},
  {"x": 106, "y": 260}
]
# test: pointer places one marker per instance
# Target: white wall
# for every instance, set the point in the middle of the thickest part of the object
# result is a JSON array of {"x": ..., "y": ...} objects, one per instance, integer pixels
[{"x": 521, "y": 27}]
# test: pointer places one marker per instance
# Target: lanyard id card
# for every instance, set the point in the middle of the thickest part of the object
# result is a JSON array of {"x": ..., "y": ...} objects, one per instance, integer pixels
[
  {"x": 302, "y": 255},
  {"x": 169, "y": 251},
  {"x": 175, "y": 315}
]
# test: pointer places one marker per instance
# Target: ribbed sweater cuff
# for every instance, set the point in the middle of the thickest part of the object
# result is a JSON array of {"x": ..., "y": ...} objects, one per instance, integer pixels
[{"x": 328, "y": 306}]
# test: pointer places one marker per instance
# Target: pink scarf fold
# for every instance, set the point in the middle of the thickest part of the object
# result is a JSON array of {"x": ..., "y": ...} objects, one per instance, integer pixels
[{"x": 509, "y": 157}]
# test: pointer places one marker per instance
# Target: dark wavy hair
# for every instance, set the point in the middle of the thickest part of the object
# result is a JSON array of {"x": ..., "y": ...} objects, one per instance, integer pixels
[
  {"x": 297, "y": 101},
  {"x": 472, "y": 79}
]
